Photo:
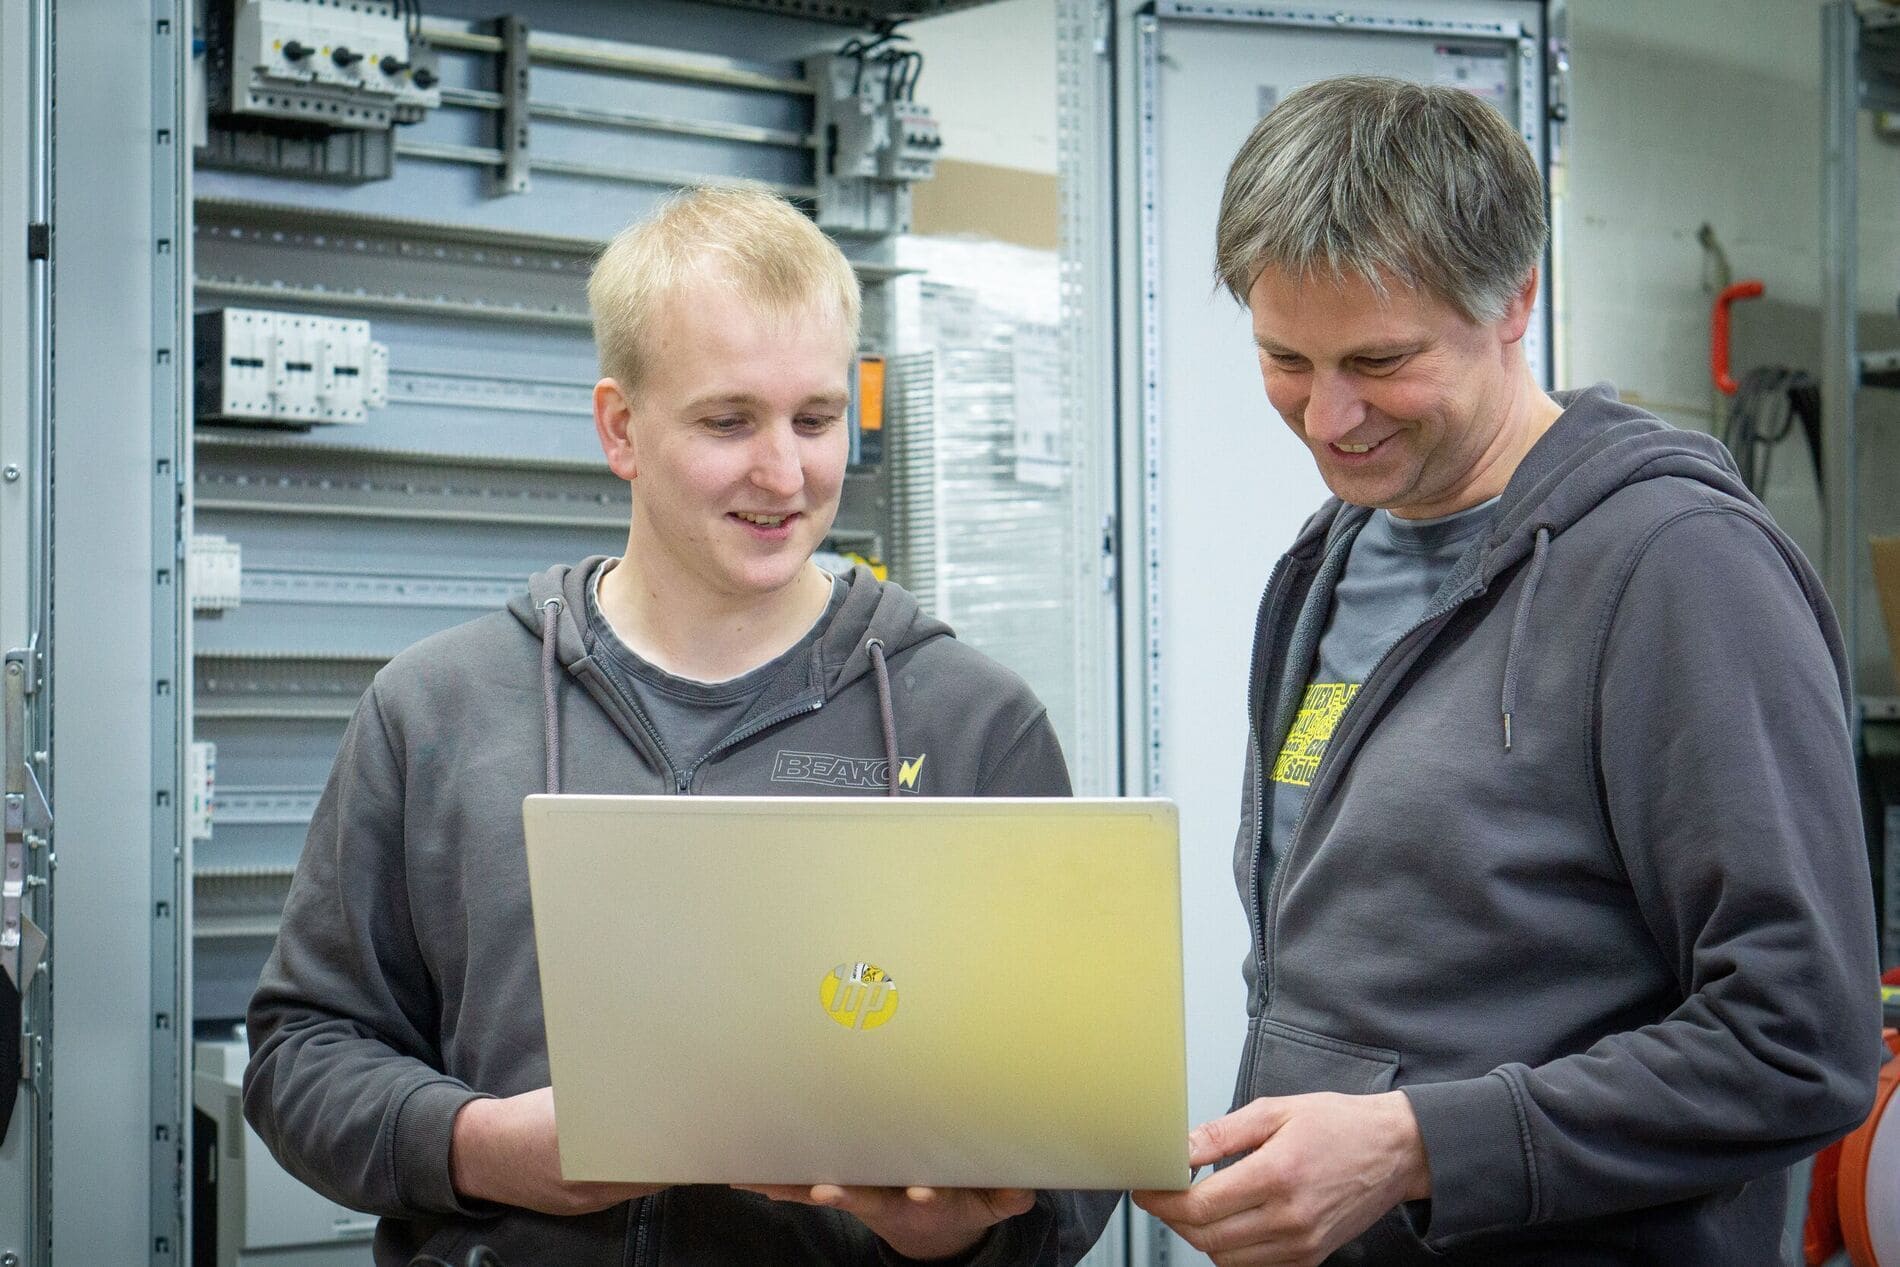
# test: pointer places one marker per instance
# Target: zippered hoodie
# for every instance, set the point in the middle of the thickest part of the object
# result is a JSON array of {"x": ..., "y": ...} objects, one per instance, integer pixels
[
  {"x": 1582, "y": 870},
  {"x": 405, "y": 983}
]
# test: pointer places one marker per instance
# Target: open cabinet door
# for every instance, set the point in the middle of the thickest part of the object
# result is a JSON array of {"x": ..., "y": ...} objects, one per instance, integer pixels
[{"x": 1215, "y": 487}]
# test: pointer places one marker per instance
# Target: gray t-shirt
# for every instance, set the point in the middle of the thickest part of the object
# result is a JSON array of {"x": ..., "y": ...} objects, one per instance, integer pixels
[
  {"x": 688, "y": 718},
  {"x": 1394, "y": 568}
]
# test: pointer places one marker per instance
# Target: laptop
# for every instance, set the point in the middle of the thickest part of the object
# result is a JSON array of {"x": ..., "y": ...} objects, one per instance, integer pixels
[{"x": 952, "y": 992}]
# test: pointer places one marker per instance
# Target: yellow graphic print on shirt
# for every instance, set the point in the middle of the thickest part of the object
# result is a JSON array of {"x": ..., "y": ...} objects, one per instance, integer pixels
[{"x": 1320, "y": 711}]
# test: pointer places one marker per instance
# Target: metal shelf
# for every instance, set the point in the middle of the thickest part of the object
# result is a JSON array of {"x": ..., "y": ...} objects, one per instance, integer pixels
[
  {"x": 862, "y": 13},
  {"x": 559, "y": 251}
]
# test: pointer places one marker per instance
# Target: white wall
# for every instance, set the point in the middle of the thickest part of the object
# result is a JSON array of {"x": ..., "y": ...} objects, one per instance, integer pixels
[
  {"x": 1709, "y": 110},
  {"x": 990, "y": 78}
]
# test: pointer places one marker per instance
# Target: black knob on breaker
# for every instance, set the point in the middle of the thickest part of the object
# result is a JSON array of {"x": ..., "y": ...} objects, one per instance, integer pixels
[
  {"x": 343, "y": 57},
  {"x": 425, "y": 78},
  {"x": 296, "y": 52},
  {"x": 392, "y": 65}
]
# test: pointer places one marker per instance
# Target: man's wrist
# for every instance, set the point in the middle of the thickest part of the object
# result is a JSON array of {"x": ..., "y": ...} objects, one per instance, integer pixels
[
  {"x": 1412, "y": 1167},
  {"x": 469, "y": 1138},
  {"x": 894, "y": 1257}
]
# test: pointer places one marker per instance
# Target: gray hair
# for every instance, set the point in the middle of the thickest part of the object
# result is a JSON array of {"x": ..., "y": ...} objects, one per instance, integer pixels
[{"x": 1385, "y": 178}]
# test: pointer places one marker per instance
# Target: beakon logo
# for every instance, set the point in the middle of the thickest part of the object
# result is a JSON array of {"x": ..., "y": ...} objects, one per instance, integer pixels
[
  {"x": 858, "y": 995},
  {"x": 828, "y": 769}
]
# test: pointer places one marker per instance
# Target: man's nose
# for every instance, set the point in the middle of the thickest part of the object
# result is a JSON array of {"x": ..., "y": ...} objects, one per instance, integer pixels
[
  {"x": 775, "y": 462},
  {"x": 1333, "y": 409}
]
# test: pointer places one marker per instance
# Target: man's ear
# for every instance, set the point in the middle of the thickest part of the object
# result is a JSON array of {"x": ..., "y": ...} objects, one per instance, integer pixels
[
  {"x": 1517, "y": 313},
  {"x": 613, "y": 423}
]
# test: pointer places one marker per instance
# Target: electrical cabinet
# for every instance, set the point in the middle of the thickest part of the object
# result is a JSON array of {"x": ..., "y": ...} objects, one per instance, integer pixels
[{"x": 322, "y": 364}]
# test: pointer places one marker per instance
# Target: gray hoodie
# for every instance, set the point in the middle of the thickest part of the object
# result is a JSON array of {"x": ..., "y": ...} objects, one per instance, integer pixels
[
  {"x": 1583, "y": 868},
  {"x": 404, "y": 981}
]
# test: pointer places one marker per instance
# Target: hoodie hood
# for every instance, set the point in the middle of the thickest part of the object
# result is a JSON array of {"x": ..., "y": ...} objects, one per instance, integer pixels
[
  {"x": 876, "y": 622},
  {"x": 872, "y": 610},
  {"x": 1598, "y": 446}
]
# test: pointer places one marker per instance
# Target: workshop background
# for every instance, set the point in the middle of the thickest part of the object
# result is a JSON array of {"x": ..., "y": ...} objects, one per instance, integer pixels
[{"x": 293, "y": 373}]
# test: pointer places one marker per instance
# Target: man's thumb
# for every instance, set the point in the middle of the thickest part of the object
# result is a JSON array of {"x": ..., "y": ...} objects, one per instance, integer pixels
[{"x": 1243, "y": 1130}]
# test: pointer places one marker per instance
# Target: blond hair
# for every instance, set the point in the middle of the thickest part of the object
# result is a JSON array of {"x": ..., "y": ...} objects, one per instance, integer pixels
[
  {"x": 1381, "y": 178},
  {"x": 741, "y": 235}
]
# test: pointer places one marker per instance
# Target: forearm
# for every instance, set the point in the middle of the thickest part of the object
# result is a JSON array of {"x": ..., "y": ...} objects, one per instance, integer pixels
[
  {"x": 357, "y": 1121},
  {"x": 1671, "y": 1111},
  {"x": 505, "y": 1152}
]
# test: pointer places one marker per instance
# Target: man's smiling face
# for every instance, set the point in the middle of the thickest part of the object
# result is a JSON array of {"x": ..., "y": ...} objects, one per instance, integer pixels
[{"x": 1399, "y": 397}]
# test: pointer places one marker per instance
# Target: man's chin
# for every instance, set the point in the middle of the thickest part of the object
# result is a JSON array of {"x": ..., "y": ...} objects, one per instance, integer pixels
[{"x": 762, "y": 579}]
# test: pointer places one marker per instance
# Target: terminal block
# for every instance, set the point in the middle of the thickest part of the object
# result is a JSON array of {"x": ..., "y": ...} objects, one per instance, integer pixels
[
  {"x": 214, "y": 573},
  {"x": 287, "y": 368}
]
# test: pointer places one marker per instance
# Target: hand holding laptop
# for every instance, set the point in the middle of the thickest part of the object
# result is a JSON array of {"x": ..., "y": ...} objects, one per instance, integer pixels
[{"x": 916, "y": 1222}]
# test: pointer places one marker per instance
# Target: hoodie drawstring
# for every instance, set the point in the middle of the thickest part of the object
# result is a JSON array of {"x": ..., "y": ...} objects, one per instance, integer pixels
[
  {"x": 889, "y": 717},
  {"x": 1539, "y": 553},
  {"x": 550, "y": 617}
]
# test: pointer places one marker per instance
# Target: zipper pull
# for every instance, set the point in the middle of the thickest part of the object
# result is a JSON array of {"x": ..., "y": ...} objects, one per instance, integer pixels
[{"x": 682, "y": 783}]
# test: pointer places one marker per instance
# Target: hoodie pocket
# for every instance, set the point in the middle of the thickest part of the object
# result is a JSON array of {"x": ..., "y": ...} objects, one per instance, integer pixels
[{"x": 1283, "y": 1059}]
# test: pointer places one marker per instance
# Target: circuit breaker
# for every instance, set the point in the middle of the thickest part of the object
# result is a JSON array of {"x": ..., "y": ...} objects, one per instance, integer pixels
[
  {"x": 286, "y": 367},
  {"x": 356, "y": 66},
  {"x": 915, "y": 139},
  {"x": 876, "y": 140}
]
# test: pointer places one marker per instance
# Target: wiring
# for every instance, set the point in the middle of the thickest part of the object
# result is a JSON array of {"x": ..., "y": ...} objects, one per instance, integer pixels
[
  {"x": 890, "y": 50},
  {"x": 1767, "y": 405}
]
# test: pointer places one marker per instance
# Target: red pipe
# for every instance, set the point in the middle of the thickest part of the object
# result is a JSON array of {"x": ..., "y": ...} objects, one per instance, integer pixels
[{"x": 1718, "y": 332}]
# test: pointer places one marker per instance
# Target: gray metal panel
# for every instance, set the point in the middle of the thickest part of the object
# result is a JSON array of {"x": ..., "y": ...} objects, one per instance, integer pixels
[
  {"x": 1890, "y": 873},
  {"x": 22, "y": 1175},
  {"x": 1084, "y": 108},
  {"x": 1840, "y": 374},
  {"x": 103, "y": 689}
]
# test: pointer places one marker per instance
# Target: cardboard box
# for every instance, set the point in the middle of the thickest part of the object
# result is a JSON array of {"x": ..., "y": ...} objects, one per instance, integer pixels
[{"x": 1887, "y": 581}]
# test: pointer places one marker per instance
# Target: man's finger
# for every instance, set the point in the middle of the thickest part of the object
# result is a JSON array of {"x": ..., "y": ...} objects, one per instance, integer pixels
[
  {"x": 866, "y": 1204},
  {"x": 1252, "y": 1232},
  {"x": 781, "y": 1192},
  {"x": 1249, "y": 1182},
  {"x": 1243, "y": 1130}
]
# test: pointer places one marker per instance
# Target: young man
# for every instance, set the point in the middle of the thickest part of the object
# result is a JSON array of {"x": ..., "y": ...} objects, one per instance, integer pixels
[
  {"x": 1563, "y": 937},
  {"x": 398, "y": 1059}
]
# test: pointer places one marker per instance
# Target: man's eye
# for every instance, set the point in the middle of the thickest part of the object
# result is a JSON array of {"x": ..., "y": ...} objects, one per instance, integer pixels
[
  {"x": 1380, "y": 364},
  {"x": 723, "y": 425},
  {"x": 817, "y": 422},
  {"x": 1287, "y": 361}
]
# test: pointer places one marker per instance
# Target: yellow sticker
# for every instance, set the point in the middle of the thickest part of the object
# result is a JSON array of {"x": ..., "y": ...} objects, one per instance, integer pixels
[{"x": 858, "y": 995}]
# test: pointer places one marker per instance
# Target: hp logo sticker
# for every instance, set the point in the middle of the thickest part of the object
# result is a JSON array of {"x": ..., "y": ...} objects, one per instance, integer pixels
[{"x": 858, "y": 995}]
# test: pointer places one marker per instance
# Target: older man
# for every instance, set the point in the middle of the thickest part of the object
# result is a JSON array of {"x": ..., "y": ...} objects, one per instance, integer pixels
[{"x": 1562, "y": 927}]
